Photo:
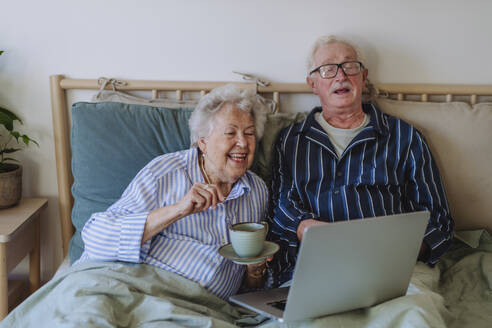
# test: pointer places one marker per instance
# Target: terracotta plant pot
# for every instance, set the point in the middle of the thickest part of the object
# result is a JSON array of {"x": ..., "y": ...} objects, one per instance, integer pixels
[{"x": 10, "y": 186}]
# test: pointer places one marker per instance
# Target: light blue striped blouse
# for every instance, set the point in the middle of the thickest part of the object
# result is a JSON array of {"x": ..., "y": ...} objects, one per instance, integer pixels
[{"x": 189, "y": 246}]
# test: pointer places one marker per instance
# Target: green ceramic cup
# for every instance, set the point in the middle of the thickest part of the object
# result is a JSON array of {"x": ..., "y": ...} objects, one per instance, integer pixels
[{"x": 247, "y": 238}]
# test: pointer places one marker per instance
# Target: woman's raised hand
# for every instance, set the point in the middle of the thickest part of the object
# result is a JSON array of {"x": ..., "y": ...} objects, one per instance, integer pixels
[{"x": 199, "y": 198}]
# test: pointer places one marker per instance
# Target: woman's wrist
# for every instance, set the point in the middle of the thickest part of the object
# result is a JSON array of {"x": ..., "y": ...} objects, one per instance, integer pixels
[
  {"x": 255, "y": 276},
  {"x": 257, "y": 271}
]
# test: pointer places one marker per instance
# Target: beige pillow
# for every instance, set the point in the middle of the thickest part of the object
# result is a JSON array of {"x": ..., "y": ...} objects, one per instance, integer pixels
[
  {"x": 460, "y": 138},
  {"x": 126, "y": 98}
]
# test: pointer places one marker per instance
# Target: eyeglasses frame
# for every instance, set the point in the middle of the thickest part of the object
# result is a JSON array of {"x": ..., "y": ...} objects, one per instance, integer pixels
[{"x": 338, "y": 67}]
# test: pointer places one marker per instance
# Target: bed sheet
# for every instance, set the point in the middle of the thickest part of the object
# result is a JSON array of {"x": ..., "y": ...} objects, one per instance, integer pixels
[{"x": 455, "y": 293}]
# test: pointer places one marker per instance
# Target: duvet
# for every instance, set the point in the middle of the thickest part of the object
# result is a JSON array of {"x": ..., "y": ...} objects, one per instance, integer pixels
[{"x": 455, "y": 293}]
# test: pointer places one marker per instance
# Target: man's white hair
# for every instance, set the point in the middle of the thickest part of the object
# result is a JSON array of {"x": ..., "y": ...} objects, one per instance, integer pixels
[
  {"x": 202, "y": 118},
  {"x": 326, "y": 40}
]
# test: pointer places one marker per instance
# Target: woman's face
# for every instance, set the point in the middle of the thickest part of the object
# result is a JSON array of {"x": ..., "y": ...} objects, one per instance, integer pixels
[{"x": 229, "y": 150}]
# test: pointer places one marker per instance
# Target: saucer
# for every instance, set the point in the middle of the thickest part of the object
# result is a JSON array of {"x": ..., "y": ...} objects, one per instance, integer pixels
[{"x": 269, "y": 249}]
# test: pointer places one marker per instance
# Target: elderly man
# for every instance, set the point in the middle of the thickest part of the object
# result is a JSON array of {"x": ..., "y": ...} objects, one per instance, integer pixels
[{"x": 348, "y": 160}]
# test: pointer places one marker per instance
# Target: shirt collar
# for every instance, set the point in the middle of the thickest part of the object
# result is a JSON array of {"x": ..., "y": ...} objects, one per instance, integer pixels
[
  {"x": 241, "y": 186},
  {"x": 193, "y": 167},
  {"x": 378, "y": 120}
]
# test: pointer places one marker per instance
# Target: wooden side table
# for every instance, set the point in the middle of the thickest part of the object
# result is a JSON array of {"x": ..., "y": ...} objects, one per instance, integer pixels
[{"x": 20, "y": 236}]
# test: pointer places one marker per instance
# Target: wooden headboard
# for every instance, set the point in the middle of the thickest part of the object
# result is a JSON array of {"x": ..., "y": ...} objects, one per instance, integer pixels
[{"x": 59, "y": 86}]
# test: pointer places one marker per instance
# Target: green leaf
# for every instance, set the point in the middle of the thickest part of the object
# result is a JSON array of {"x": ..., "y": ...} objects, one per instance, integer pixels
[
  {"x": 6, "y": 121},
  {"x": 11, "y": 115},
  {"x": 10, "y": 159},
  {"x": 1, "y": 52},
  {"x": 9, "y": 150},
  {"x": 16, "y": 135},
  {"x": 26, "y": 140}
]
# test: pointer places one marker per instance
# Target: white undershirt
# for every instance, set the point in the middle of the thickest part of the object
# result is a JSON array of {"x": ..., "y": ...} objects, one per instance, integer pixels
[{"x": 340, "y": 138}]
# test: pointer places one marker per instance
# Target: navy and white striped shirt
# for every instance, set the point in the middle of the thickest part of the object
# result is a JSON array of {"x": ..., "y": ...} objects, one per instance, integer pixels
[
  {"x": 187, "y": 247},
  {"x": 386, "y": 169}
]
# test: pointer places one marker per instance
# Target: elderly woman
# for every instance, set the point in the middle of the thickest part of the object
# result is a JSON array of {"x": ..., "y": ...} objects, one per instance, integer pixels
[{"x": 176, "y": 212}]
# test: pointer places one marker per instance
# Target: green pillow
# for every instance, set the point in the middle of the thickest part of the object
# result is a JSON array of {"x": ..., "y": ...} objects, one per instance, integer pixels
[{"x": 111, "y": 142}]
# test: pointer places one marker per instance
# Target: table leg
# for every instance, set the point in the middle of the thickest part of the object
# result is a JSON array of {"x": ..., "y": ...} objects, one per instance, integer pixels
[
  {"x": 4, "y": 289},
  {"x": 34, "y": 260}
]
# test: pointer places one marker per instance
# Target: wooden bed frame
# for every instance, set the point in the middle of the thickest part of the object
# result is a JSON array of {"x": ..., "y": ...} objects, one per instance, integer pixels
[{"x": 59, "y": 86}]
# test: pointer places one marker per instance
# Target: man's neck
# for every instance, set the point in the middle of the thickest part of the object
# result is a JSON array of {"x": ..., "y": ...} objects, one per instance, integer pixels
[{"x": 344, "y": 118}]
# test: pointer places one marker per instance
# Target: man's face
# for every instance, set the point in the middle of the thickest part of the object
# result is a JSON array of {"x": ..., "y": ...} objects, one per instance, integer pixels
[{"x": 341, "y": 92}]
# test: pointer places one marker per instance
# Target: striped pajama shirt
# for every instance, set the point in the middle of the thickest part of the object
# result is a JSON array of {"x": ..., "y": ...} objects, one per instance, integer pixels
[{"x": 386, "y": 169}]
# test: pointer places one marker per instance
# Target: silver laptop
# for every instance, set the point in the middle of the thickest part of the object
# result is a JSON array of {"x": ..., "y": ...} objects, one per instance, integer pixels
[{"x": 345, "y": 265}]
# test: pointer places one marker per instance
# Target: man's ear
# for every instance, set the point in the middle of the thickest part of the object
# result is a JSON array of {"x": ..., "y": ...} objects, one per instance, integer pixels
[
  {"x": 310, "y": 81},
  {"x": 364, "y": 74}
]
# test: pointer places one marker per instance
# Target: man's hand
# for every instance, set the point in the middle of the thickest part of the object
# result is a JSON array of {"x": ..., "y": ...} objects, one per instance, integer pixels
[{"x": 307, "y": 223}]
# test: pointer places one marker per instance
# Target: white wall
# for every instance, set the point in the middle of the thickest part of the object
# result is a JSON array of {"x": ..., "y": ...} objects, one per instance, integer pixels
[{"x": 421, "y": 41}]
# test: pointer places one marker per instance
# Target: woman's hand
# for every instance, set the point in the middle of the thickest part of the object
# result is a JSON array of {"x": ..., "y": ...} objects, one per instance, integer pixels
[
  {"x": 255, "y": 274},
  {"x": 199, "y": 198},
  {"x": 257, "y": 270}
]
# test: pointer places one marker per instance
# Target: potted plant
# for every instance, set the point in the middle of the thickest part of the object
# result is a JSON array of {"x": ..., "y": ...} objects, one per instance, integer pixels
[{"x": 10, "y": 172}]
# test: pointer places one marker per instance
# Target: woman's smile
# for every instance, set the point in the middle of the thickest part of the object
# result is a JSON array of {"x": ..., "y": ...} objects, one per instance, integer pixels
[{"x": 229, "y": 149}]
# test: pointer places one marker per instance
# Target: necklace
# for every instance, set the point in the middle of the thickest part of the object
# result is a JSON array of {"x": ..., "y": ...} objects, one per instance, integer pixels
[{"x": 202, "y": 166}]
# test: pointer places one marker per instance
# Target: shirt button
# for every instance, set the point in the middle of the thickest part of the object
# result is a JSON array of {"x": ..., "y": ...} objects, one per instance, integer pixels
[
  {"x": 336, "y": 192},
  {"x": 339, "y": 174}
]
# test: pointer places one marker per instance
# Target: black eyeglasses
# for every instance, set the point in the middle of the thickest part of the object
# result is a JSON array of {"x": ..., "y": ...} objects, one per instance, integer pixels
[{"x": 329, "y": 71}]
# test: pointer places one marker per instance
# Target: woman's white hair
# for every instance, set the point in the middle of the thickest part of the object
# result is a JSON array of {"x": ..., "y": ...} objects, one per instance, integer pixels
[
  {"x": 326, "y": 40},
  {"x": 202, "y": 118}
]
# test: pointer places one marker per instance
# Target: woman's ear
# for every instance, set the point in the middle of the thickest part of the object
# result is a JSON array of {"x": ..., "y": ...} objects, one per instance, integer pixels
[{"x": 202, "y": 144}]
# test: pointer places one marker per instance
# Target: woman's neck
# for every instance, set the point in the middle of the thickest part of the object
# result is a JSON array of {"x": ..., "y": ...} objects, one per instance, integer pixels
[{"x": 224, "y": 187}]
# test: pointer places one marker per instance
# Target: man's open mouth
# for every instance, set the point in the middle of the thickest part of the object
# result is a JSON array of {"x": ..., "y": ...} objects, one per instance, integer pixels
[{"x": 341, "y": 91}]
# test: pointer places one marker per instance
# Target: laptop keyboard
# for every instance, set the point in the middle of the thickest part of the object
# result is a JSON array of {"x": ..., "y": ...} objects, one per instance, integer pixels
[{"x": 278, "y": 304}]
